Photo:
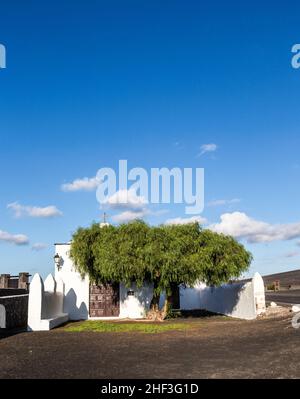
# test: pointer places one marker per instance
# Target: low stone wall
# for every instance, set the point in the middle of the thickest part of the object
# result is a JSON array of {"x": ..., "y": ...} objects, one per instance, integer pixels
[
  {"x": 12, "y": 291},
  {"x": 20, "y": 281},
  {"x": 16, "y": 310}
]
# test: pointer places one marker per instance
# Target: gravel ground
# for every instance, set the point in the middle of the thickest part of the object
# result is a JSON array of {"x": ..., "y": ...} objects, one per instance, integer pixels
[{"x": 214, "y": 347}]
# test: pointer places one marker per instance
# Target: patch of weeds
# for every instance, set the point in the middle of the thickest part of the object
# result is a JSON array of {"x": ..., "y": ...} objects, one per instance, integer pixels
[{"x": 120, "y": 327}]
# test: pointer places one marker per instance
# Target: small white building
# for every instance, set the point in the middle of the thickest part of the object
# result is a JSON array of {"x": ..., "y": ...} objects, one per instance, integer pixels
[
  {"x": 68, "y": 296},
  {"x": 84, "y": 300}
]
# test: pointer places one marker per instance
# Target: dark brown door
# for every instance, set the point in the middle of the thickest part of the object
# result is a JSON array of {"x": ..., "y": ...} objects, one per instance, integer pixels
[
  {"x": 175, "y": 296},
  {"x": 104, "y": 300}
]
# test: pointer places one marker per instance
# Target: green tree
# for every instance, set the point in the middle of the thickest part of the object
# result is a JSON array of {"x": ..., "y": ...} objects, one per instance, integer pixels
[
  {"x": 165, "y": 256},
  {"x": 111, "y": 254},
  {"x": 174, "y": 258},
  {"x": 223, "y": 258}
]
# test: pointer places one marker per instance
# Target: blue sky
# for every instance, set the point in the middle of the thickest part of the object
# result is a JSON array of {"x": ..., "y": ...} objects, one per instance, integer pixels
[{"x": 88, "y": 84}]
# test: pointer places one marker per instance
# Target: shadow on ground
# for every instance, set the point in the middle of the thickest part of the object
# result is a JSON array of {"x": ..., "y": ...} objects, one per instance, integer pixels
[{"x": 4, "y": 333}]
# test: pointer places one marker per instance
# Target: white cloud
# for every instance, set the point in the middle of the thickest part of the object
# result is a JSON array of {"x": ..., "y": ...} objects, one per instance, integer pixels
[
  {"x": 128, "y": 216},
  {"x": 34, "y": 211},
  {"x": 130, "y": 205},
  {"x": 85, "y": 184},
  {"x": 126, "y": 199},
  {"x": 17, "y": 239},
  {"x": 224, "y": 202},
  {"x": 192, "y": 219},
  {"x": 241, "y": 226},
  {"x": 207, "y": 148},
  {"x": 39, "y": 246}
]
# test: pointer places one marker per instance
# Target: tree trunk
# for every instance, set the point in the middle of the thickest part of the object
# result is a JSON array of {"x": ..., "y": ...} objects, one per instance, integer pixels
[
  {"x": 154, "y": 312},
  {"x": 167, "y": 307},
  {"x": 171, "y": 300},
  {"x": 154, "y": 306},
  {"x": 159, "y": 315}
]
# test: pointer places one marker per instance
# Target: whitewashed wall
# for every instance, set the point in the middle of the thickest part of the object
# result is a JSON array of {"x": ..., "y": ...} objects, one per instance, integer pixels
[
  {"x": 241, "y": 300},
  {"x": 135, "y": 307},
  {"x": 235, "y": 300},
  {"x": 45, "y": 304},
  {"x": 76, "y": 300},
  {"x": 190, "y": 297},
  {"x": 259, "y": 293}
]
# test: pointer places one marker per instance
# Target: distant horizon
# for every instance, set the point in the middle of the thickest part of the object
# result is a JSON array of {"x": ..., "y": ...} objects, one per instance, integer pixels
[{"x": 273, "y": 274}]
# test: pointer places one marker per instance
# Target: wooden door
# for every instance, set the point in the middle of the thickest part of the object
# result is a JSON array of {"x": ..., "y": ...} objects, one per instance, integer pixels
[{"x": 104, "y": 300}]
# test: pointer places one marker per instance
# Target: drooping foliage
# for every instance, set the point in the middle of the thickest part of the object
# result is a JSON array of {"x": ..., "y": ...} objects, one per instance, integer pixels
[
  {"x": 82, "y": 251},
  {"x": 223, "y": 258},
  {"x": 165, "y": 256},
  {"x": 111, "y": 253}
]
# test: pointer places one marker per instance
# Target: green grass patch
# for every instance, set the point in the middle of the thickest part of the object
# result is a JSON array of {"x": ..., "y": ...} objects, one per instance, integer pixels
[{"x": 122, "y": 327}]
